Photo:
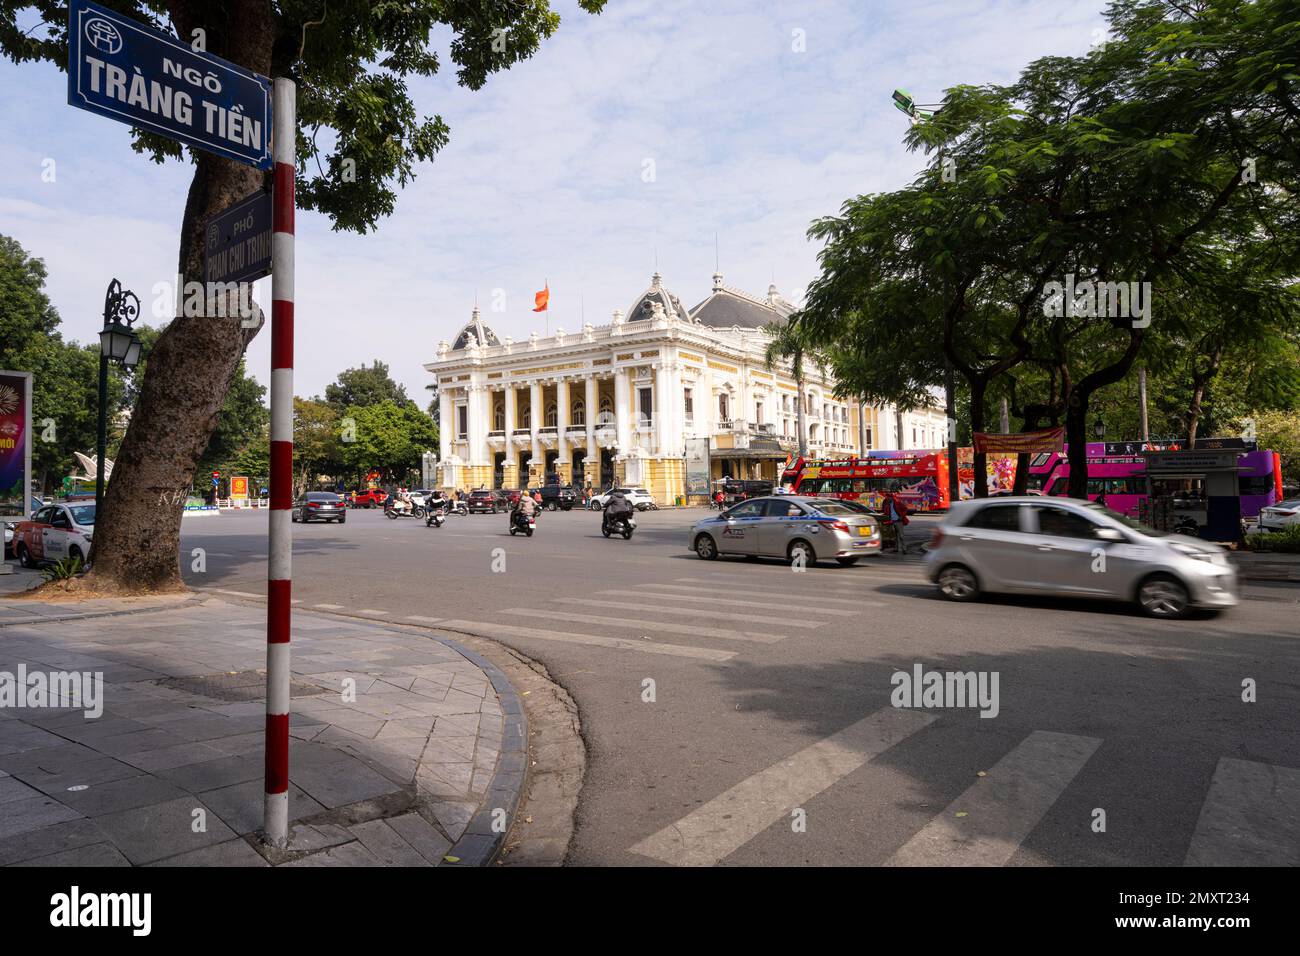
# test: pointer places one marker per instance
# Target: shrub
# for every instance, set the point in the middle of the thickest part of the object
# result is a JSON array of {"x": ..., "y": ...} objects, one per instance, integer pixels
[{"x": 1286, "y": 541}]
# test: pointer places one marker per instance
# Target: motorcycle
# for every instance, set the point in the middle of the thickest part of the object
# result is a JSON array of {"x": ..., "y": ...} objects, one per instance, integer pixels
[
  {"x": 619, "y": 524},
  {"x": 1187, "y": 525},
  {"x": 401, "y": 509},
  {"x": 435, "y": 517},
  {"x": 521, "y": 522}
]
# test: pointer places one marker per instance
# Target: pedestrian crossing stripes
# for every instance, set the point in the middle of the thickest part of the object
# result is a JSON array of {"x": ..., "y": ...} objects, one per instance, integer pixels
[
  {"x": 740, "y": 592},
  {"x": 692, "y": 630},
  {"x": 765, "y": 619},
  {"x": 494, "y": 630},
  {"x": 1242, "y": 794},
  {"x": 986, "y": 824},
  {"x": 714, "y": 831},
  {"x": 778, "y": 606},
  {"x": 1250, "y": 817}
]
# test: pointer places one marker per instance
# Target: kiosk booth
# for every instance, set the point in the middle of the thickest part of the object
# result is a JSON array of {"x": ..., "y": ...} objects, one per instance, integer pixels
[{"x": 1194, "y": 487}]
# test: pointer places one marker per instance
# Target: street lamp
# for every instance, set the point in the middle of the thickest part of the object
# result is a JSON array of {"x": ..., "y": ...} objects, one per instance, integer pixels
[
  {"x": 117, "y": 341},
  {"x": 1099, "y": 429}
]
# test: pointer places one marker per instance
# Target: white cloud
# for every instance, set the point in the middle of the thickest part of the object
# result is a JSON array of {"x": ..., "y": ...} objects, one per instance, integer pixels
[{"x": 542, "y": 177}]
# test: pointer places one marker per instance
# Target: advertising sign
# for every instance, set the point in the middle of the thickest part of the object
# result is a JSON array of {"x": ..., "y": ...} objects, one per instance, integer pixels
[
  {"x": 151, "y": 80},
  {"x": 1045, "y": 439},
  {"x": 697, "y": 466},
  {"x": 15, "y": 443},
  {"x": 239, "y": 486}
]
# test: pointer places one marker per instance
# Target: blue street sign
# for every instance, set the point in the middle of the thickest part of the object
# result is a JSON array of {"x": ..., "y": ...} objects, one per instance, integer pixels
[
  {"x": 238, "y": 246},
  {"x": 139, "y": 76}
]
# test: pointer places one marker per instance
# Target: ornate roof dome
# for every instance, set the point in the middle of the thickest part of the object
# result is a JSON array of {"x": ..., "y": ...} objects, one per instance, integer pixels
[
  {"x": 475, "y": 332},
  {"x": 644, "y": 306}
]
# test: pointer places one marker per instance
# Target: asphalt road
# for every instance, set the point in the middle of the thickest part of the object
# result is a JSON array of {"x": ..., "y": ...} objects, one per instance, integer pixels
[{"x": 770, "y": 738}]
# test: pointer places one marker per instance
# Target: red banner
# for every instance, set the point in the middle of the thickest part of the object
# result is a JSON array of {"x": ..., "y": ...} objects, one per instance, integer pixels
[{"x": 1046, "y": 439}]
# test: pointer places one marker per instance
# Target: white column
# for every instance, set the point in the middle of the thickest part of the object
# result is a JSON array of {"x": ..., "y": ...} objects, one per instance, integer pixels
[
  {"x": 593, "y": 408},
  {"x": 508, "y": 396},
  {"x": 623, "y": 413},
  {"x": 535, "y": 414},
  {"x": 446, "y": 422},
  {"x": 562, "y": 418},
  {"x": 663, "y": 410}
]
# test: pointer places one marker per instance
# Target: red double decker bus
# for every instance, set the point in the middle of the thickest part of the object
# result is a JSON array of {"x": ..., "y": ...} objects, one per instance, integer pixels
[{"x": 921, "y": 479}]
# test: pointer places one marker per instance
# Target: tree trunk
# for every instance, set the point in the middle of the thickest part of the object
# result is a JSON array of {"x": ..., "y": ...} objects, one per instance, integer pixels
[
  {"x": 980, "y": 464},
  {"x": 137, "y": 536}
]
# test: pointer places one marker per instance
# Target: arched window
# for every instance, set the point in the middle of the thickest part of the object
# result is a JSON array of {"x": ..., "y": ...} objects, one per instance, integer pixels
[
  {"x": 527, "y": 419},
  {"x": 499, "y": 417},
  {"x": 606, "y": 414},
  {"x": 551, "y": 415},
  {"x": 579, "y": 413},
  {"x": 724, "y": 407}
]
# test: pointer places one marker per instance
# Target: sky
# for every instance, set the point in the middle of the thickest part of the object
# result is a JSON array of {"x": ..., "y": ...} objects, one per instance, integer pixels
[{"x": 636, "y": 138}]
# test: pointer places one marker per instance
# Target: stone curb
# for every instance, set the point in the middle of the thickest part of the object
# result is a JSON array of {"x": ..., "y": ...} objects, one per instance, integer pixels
[
  {"x": 479, "y": 844},
  {"x": 192, "y": 601}
]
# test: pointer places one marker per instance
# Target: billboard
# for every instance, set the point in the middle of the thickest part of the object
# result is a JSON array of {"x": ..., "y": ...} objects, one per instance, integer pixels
[
  {"x": 239, "y": 486},
  {"x": 697, "y": 466},
  {"x": 15, "y": 443}
]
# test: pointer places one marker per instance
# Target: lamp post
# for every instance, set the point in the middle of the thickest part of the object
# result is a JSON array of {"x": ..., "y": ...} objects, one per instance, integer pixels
[
  {"x": 1099, "y": 429},
  {"x": 118, "y": 342}
]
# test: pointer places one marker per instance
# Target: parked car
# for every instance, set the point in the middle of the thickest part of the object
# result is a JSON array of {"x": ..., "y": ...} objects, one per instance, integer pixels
[
  {"x": 802, "y": 530},
  {"x": 640, "y": 499},
  {"x": 370, "y": 498},
  {"x": 1277, "y": 517},
  {"x": 488, "y": 500},
  {"x": 34, "y": 505},
  {"x": 559, "y": 497},
  {"x": 55, "y": 532},
  {"x": 319, "y": 506},
  {"x": 1067, "y": 548},
  {"x": 735, "y": 490}
]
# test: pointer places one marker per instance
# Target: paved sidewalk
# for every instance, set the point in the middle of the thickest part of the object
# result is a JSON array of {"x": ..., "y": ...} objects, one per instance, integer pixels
[{"x": 406, "y": 748}]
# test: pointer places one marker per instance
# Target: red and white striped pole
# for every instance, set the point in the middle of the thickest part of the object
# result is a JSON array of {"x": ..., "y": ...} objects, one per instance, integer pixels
[{"x": 280, "y": 533}]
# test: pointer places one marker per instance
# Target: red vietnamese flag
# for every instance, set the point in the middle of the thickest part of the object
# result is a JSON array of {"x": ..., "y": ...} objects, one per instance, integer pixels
[{"x": 541, "y": 298}]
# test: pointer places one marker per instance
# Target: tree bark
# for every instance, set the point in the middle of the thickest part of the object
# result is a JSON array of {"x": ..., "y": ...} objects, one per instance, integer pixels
[{"x": 137, "y": 537}]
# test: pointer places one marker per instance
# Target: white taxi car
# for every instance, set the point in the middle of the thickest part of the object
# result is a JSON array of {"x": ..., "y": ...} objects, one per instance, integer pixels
[{"x": 55, "y": 532}]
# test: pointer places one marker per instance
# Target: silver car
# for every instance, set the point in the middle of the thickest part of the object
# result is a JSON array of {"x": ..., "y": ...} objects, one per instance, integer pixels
[
  {"x": 800, "y": 529},
  {"x": 1068, "y": 548}
]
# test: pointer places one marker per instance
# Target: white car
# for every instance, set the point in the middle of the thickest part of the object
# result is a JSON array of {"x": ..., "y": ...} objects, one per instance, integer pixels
[
  {"x": 1277, "y": 517},
  {"x": 55, "y": 532},
  {"x": 639, "y": 498}
]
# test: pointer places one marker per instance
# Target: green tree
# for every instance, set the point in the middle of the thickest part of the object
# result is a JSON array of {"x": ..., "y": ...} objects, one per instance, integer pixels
[
  {"x": 65, "y": 375},
  {"x": 367, "y": 385},
  {"x": 317, "y": 448},
  {"x": 390, "y": 437},
  {"x": 359, "y": 138}
]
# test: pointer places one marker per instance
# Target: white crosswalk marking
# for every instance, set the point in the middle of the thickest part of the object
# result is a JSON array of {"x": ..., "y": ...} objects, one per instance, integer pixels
[
  {"x": 1001, "y": 809},
  {"x": 1251, "y": 817},
  {"x": 768, "y": 593},
  {"x": 711, "y": 615},
  {"x": 780, "y": 606},
  {"x": 372, "y": 612},
  {"x": 648, "y": 627},
  {"x": 564, "y": 637},
  {"x": 714, "y": 831},
  {"x": 422, "y": 619},
  {"x": 329, "y": 607}
]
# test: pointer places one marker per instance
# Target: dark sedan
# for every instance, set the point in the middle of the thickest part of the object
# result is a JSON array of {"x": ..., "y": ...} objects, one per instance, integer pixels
[{"x": 320, "y": 506}]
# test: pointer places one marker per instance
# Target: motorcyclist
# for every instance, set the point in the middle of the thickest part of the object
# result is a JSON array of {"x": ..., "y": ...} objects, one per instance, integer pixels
[
  {"x": 617, "y": 506},
  {"x": 525, "y": 507},
  {"x": 436, "y": 501}
]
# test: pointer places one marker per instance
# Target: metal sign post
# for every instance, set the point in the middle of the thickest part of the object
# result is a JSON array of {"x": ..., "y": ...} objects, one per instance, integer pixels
[{"x": 280, "y": 544}]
